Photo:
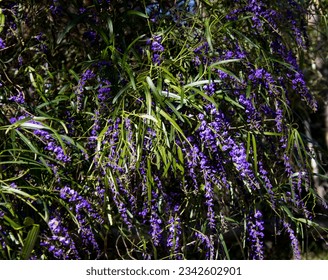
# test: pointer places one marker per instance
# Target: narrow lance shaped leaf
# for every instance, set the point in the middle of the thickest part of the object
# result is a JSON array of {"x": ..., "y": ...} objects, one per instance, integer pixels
[{"x": 30, "y": 242}]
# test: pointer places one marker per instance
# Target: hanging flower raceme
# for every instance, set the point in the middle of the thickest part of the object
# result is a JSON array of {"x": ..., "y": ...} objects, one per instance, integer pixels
[
  {"x": 255, "y": 228},
  {"x": 155, "y": 149},
  {"x": 156, "y": 48}
]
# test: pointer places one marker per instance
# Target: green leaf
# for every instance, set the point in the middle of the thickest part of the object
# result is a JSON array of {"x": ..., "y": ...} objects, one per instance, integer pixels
[
  {"x": 307, "y": 222},
  {"x": 200, "y": 83},
  {"x": 12, "y": 223},
  {"x": 175, "y": 111},
  {"x": 32, "y": 125},
  {"x": 55, "y": 101},
  {"x": 74, "y": 74},
  {"x": 73, "y": 142},
  {"x": 208, "y": 34},
  {"x": 11, "y": 190},
  {"x": 68, "y": 28},
  {"x": 214, "y": 65},
  {"x": 288, "y": 212},
  {"x": 254, "y": 153},
  {"x": 137, "y": 13},
  {"x": 30, "y": 241},
  {"x": 248, "y": 145},
  {"x": 225, "y": 248},
  {"x": 28, "y": 221},
  {"x": 231, "y": 74},
  {"x": 147, "y": 116},
  {"x": 151, "y": 84},
  {"x": 180, "y": 154},
  {"x": 2, "y": 20},
  {"x": 111, "y": 29},
  {"x": 124, "y": 89},
  {"x": 231, "y": 101},
  {"x": 148, "y": 101},
  {"x": 32, "y": 148},
  {"x": 171, "y": 95}
]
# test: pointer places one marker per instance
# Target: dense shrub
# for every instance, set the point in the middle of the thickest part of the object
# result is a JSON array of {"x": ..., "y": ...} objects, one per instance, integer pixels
[{"x": 153, "y": 129}]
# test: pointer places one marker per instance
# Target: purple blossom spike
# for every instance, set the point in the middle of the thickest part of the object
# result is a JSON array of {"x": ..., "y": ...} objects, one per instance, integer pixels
[
  {"x": 294, "y": 240},
  {"x": 209, "y": 89},
  {"x": 157, "y": 48},
  {"x": 2, "y": 44},
  {"x": 155, "y": 221},
  {"x": 208, "y": 242},
  {"x": 56, "y": 9},
  {"x": 209, "y": 200},
  {"x": 20, "y": 98},
  {"x": 173, "y": 239},
  {"x": 60, "y": 244},
  {"x": 255, "y": 228}
]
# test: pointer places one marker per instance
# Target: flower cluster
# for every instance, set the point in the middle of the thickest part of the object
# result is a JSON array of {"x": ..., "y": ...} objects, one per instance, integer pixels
[
  {"x": 2, "y": 44},
  {"x": 56, "y": 8},
  {"x": 208, "y": 242},
  {"x": 52, "y": 146},
  {"x": 86, "y": 76},
  {"x": 155, "y": 221},
  {"x": 83, "y": 211},
  {"x": 173, "y": 240},
  {"x": 294, "y": 240},
  {"x": 60, "y": 244},
  {"x": 128, "y": 169},
  {"x": 157, "y": 49},
  {"x": 255, "y": 228},
  {"x": 19, "y": 98}
]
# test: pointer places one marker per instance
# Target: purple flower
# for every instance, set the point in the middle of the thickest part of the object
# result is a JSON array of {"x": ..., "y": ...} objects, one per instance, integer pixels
[
  {"x": 192, "y": 162},
  {"x": 86, "y": 76},
  {"x": 56, "y": 9},
  {"x": 209, "y": 244},
  {"x": 209, "y": 89},
  {"x": 39, "y": 36},
  {"x": 238, "y": 156},
  {"x": 20, "y": 98},
  {"x": 20, "y": 60},
  {"x": 155, "y": 222},
  {"x": 2, "y": 44},
  {"x": 52, "y": 146},
  {"x": 279, "y": 119},
  {"x": 287, "y": 163},
  {"x": 156, "y": 59},
  {"x": 294, "y": 241},
  {"x": 83, "y": 209},
  {"x": 82, "y": 10},
  {"x": 255, "y": 228},
  {"x": 261, "y": 76},
  {"x": 60, "y": 244},
  {"x": 264, "y": 175},
  {"x": 196, "y": 60},
  {"x": 2, "y": 231},
  {"x": 58, "y": 152},
  {"x": 103, "y": 91},
  {"x": 299, "y": 86},
  {"x": 90, "y": 35},
  {"x": 252, "y": 114},
  {"x": 156, "y": 48},
  {"x": 173, "y": 239}
]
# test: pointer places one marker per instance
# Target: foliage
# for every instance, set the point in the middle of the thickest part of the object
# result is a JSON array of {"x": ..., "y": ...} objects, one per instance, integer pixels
[{"x": 152, "y": 129}]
